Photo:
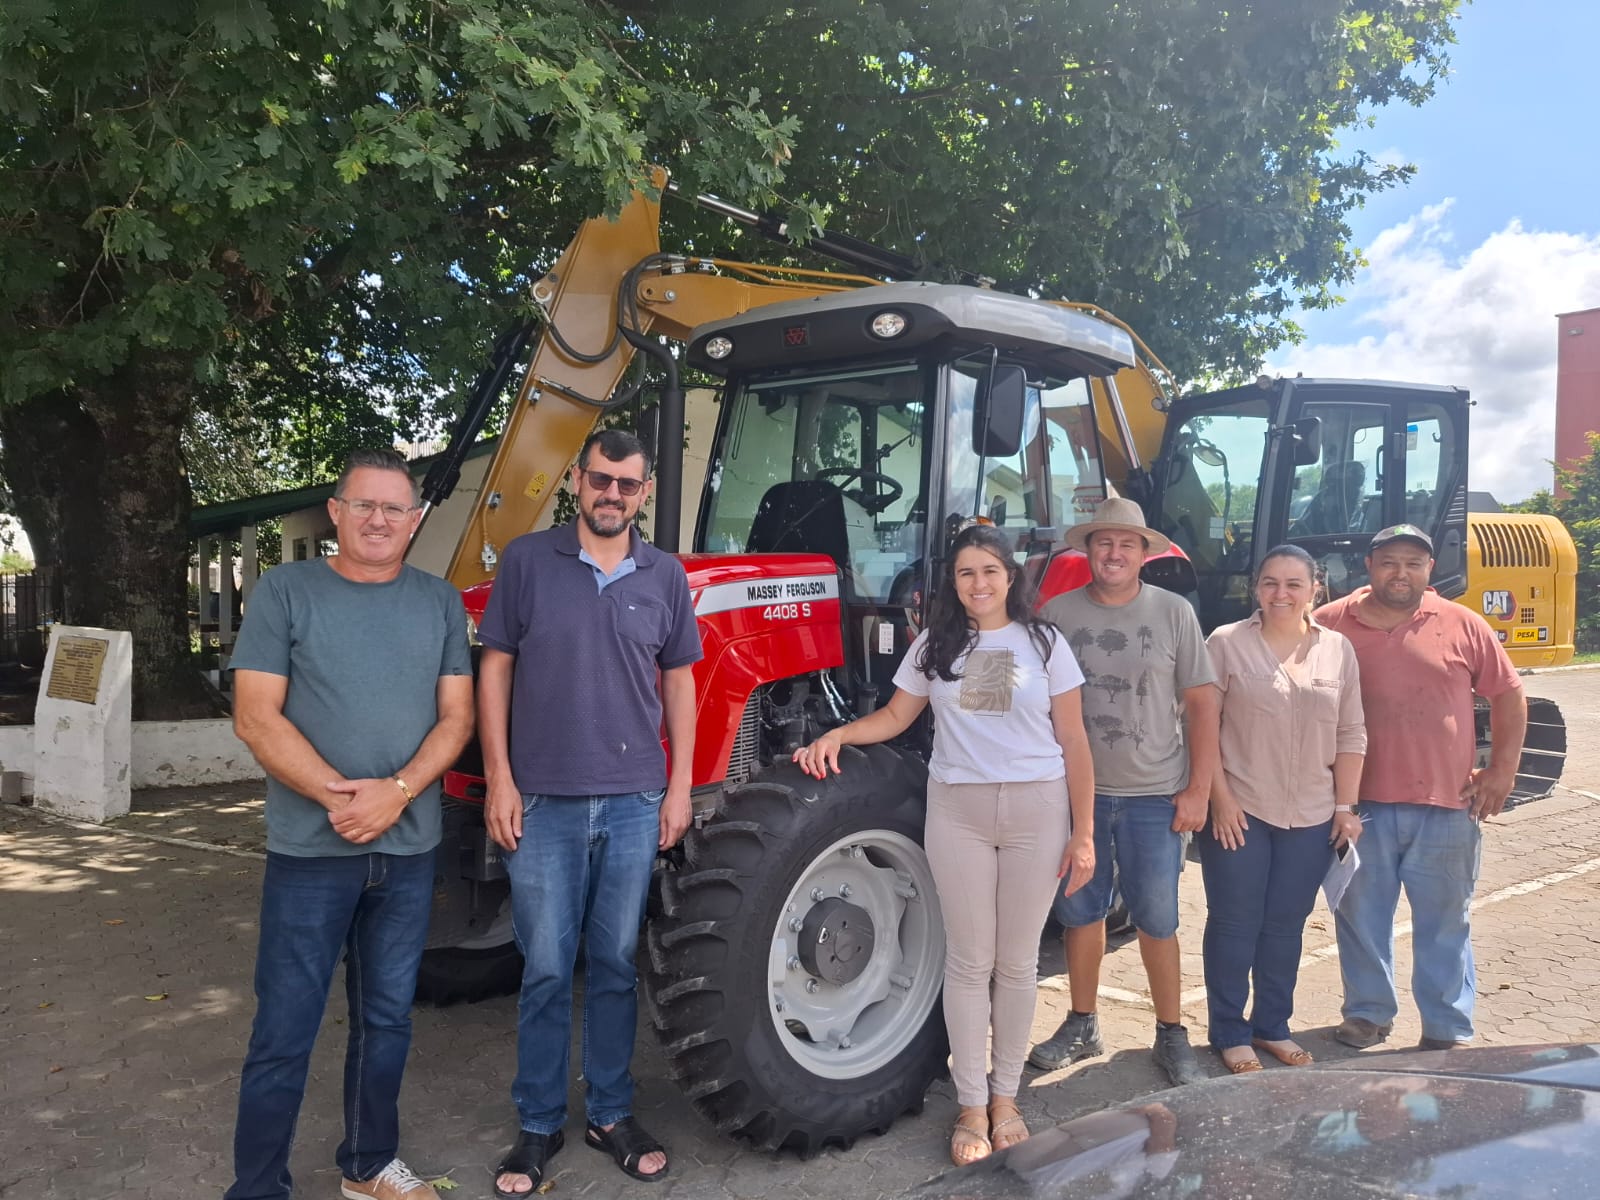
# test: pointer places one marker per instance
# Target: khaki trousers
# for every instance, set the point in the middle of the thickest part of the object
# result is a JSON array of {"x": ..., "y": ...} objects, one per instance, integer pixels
[{"x": 995, "y": 850}]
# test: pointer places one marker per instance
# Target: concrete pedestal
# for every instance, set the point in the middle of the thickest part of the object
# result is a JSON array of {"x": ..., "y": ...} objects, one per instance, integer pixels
[{"x": 82, "y": 733}]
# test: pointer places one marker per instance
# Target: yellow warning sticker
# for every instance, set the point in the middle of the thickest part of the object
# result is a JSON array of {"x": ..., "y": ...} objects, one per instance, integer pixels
[{"x": 536, "y": 486}]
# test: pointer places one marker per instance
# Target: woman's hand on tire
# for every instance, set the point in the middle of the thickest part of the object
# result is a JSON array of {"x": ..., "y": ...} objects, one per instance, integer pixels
[{"x": 820, "y": 756}]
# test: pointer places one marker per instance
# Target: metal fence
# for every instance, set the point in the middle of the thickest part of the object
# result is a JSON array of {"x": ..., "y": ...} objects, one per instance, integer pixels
[{"x": 29, "y": 605}]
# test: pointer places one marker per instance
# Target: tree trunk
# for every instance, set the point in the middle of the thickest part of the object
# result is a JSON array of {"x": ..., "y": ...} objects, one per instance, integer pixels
[{"x": 98, "y": 481}]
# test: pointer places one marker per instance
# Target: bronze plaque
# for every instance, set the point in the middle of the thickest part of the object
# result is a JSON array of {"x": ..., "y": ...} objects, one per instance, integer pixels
[{"x": 75, "y": 672}]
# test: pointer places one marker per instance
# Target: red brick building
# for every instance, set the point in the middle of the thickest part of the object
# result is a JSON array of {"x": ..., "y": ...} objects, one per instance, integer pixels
[{"x": 1577, "y": 383}]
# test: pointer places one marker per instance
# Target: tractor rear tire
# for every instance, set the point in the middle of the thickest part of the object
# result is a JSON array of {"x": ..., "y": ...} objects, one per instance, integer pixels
[
  {"x": 452, "y": 975},
  {"x": 769, "y": 1046}
]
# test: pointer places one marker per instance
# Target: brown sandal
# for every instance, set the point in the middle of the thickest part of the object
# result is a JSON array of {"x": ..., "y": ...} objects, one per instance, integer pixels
[
  {"x": 1001, "y": 1114},
  {"x": 1297, "y": 1057},
  {"x": 968, "y": 1138}
]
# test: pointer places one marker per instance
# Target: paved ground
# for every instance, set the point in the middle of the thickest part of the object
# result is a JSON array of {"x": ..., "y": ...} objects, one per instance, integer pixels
[{"x": 125, "y": 1005}]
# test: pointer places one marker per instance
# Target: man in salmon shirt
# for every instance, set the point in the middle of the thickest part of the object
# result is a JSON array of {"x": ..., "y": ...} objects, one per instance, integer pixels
[{"x": 1422, "y": 660}]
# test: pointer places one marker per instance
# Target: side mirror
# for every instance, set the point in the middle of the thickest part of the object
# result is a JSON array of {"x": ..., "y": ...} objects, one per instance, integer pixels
[
  {"x": 1306, "y": 441},
  {"x": 998, "y": 410}
]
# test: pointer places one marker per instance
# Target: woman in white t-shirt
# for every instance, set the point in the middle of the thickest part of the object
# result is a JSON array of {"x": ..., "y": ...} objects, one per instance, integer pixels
[{"x": 1009, "y": 750}]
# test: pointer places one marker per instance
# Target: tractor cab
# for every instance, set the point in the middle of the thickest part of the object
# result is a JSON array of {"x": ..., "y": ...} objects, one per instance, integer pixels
[{"x": 869, "y": 426}]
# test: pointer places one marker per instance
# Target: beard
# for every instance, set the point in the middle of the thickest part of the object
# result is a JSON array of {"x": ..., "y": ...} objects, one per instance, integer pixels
[
  {"x": 606, "y": 520},
  {"x": 1399, "y": 594}
]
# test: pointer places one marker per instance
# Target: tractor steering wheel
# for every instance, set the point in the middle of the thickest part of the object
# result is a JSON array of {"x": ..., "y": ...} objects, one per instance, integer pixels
[{"x": 874, "y": 501}]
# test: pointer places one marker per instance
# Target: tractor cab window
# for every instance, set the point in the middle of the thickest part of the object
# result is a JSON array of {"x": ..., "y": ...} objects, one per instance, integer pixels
[
  {"x": 1055, "y": 477},
  {"x": 831, "y": 463},
  {"x": 1077, "y": 478}
]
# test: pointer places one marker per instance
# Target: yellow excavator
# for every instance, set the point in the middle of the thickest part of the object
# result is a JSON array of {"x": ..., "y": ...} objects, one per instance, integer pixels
[{"x": 795, "y": 944}]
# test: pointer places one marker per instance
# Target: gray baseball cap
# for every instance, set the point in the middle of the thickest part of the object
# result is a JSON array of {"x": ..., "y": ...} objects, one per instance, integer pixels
[{"x": 1396, "y": 533}]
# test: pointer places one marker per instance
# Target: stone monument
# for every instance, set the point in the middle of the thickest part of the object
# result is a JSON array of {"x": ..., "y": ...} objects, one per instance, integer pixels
[{"x": 83, "y": 725}]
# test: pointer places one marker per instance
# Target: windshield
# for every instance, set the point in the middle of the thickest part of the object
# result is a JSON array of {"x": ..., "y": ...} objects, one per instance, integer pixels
[
  {"x": 1054, "y": 479},
  {"x": 835, "y": 463}
]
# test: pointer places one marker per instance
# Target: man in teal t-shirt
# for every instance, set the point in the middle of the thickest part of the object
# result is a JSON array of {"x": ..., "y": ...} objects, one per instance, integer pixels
[{"x": 353, "y": 689}]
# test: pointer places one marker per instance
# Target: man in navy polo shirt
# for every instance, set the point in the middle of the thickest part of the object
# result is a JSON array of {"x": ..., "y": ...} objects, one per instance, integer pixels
[{"x": 589, "y": 638}]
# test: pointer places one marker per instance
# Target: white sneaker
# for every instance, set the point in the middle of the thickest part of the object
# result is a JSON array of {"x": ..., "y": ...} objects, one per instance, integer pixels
[{"x": 394, "y": 1182}]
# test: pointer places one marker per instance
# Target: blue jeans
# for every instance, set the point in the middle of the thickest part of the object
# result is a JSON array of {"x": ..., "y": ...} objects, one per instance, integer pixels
[
  {"x": 1257, "y": 900},
  {"x": 374, "y": 908},
  {"x": 1136, "y": 832},
  {"x": 582, "y": 869},
  {"x": 1433, "y": 853}
]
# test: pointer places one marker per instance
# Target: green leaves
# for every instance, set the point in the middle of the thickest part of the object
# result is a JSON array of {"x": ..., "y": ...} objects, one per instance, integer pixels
[
  {"x": 1174, "y": 162},
  {"x": 128, "y": 232}
]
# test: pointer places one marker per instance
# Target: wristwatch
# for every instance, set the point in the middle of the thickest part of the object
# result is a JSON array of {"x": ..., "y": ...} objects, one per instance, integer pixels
[{"x": 1344, "y": 808}]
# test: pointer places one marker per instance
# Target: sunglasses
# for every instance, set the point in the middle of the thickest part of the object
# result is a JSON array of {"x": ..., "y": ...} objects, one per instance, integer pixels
[{"x": 601, "y": 482}]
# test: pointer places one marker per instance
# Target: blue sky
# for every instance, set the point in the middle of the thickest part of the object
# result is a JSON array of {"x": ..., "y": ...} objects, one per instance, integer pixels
[{"x": 1498, "y": 231}]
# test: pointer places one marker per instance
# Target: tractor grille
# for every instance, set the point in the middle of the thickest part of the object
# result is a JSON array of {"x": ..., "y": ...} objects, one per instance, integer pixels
[
  {"x": 1511, "y": 545},
  {"x": 742, "y": 761}
]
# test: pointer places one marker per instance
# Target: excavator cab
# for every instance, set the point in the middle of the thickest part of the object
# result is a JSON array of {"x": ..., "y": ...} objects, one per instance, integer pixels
[{"x": 1321, "y": 463}]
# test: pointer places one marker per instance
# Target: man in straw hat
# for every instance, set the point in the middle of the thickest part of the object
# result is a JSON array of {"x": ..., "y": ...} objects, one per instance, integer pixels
[{"x": 1144, "y": 663}]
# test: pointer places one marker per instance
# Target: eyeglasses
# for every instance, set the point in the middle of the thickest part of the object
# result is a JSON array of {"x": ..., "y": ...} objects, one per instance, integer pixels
[
  {"x": 601, "y": 482},
  {"x": 362, "y": 509}
]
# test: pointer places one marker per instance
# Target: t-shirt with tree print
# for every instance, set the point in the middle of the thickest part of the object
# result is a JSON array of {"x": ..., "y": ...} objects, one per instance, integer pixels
[{"x": 1137, "y": 660}]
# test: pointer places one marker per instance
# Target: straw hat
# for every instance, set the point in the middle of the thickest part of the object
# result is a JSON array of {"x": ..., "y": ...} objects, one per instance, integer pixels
[{"x": 1121, "y": 516}]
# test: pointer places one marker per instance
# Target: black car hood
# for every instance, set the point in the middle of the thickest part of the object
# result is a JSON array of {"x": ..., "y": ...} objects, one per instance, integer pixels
[{"x": 1476, "y": 1124}]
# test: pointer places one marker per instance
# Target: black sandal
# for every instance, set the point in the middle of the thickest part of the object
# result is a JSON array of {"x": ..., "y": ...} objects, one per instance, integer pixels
[
  {"x": 627, "y": 1143},
  {"x": 528, "y": 1157}
]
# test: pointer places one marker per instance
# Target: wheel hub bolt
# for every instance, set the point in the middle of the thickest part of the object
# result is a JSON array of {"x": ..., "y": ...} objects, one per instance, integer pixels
[
  {"x": 816, "y": 894},
  {"x": 796, "y": 924},
  {"x": 777, "y": 1005},
  {"x": 811, "y": 985},
  {"x": 794, "y": 962},
  {"x": 844, "y": 890}
]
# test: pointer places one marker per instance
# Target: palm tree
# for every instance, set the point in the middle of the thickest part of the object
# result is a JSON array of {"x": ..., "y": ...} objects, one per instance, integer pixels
[{"x": 1082, "y": 638}]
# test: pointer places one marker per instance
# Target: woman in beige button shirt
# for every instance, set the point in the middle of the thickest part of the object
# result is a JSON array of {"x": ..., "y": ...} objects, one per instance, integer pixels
[{"x": 1293, "y": 740}]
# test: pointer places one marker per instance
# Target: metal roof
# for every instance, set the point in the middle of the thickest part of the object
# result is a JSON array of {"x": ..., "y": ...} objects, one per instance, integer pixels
[{"x": 210, "y": 519}]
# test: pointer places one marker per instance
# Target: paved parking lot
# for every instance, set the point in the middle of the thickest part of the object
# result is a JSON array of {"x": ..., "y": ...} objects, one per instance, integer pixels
[{"x": 125, "y": 1005}]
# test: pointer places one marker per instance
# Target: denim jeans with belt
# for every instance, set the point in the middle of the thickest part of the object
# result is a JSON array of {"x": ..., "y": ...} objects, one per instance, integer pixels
[
  {"x": 1433, "y": 853},
  {"x": 1257, "y": 900},
  {"x": 374, "y": 908},
  {"x": 582, "y": 869}
]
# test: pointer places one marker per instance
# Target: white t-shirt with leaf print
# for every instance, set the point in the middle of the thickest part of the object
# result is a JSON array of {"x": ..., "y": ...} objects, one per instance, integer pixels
[{"x": 992, "y": 723}]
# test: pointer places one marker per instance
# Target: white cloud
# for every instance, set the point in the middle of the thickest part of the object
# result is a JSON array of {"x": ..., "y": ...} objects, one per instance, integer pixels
[{"x": 1483, "y": 320}]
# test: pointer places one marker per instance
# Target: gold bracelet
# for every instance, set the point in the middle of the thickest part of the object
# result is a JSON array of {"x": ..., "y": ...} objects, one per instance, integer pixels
[{"x": 401, "y": 784}]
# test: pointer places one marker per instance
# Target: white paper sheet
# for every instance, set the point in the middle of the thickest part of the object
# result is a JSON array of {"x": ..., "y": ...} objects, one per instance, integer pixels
[{"x": 1340, "y": 872}]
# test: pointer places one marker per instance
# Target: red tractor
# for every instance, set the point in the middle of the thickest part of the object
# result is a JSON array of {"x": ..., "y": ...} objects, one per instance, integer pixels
[{"x": 795, "y": 941}]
